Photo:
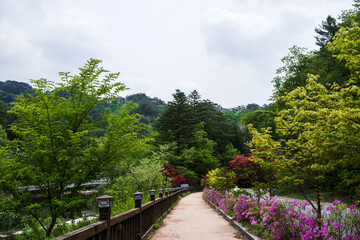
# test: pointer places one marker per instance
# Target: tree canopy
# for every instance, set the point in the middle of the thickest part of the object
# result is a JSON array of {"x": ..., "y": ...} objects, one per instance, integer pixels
[
  {"x": 55, "y": 147},
  {"x": 204, "y": 137}
]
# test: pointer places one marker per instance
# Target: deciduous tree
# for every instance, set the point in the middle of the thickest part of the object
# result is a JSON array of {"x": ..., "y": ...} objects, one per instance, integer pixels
[
  {"x": 56, "y": 152},
  {"x": 317, "y": 134},
  {"x": 221, "y": 178}
]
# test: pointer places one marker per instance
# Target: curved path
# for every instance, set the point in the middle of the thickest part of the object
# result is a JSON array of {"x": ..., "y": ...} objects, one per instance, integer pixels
[{"x": 193, "y": 219}]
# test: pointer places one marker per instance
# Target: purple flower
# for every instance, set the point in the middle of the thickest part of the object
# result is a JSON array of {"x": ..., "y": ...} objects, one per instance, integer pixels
[
  {"x": 352, "y": 206},
  {"x": 329, "y": 208},
  {"x": 337, "y": 225},
  {"x": 324, "y": 231}
]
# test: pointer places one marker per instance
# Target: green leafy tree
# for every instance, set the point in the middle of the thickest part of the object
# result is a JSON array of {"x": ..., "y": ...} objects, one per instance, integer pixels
[
  {"x": 146, "y": 175},
  {"x": 201, "y": 157},
  {"x": 3, "y": 137},
  {"x": 300, "y": 62},
  {"x": 346, "y": 46},
  {"x": 348, "y": 16},
  {"x": 260, "y": 119},
  {"x": 56, "y": 150},
  {"x": 317, "y": 134},
  {"x": 3, "y": 113},
  {"x": 221, "y": 178},
  {"x": 227, "y": 155},
  {"x": 292, "y": 74}
]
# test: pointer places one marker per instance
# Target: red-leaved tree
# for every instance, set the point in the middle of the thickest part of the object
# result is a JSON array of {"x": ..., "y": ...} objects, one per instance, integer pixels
[
  {"x": 247, "y": 170},
  {"x": 176, "y": 177}
]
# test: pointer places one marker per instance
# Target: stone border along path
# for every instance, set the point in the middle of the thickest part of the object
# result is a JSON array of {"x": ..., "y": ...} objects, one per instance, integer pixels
[{"x": 193, "y": 219}]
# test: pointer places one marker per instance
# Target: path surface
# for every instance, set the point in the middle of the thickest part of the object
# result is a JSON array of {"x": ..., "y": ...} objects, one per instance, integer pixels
[{"x": 193, "y": 219}]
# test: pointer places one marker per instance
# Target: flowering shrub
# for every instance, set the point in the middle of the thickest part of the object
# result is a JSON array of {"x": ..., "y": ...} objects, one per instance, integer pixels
[{"x": 290, "y": 219}]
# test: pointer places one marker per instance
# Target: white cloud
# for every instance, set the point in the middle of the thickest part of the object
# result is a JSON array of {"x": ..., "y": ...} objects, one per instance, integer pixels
[
  {"x": 69, "y": 34},
  {"x": 227, "y": 50},
  {"x": 252, "y": 37},
  {"x": 238, "y": 36}
]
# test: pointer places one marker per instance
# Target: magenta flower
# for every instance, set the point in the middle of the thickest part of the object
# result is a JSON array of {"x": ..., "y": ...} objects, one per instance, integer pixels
[
  {"x": 337, "y": 225},
  {"x": 329, "y": 208}
]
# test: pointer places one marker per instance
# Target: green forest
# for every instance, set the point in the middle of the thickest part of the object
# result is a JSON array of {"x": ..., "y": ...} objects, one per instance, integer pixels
[{"x": 54, "y": 134}]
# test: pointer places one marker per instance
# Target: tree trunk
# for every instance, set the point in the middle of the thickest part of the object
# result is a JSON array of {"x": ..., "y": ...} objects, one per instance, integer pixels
[
  {"x": 51, "y": 226},
  {"x": 318, "y": 203}
]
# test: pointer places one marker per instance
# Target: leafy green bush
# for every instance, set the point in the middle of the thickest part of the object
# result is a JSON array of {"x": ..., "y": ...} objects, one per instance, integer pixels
[{"x": 221, "y": 178}]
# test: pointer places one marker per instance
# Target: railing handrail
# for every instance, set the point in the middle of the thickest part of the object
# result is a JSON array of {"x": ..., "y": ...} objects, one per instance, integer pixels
[{"x": 155, "y": 209}]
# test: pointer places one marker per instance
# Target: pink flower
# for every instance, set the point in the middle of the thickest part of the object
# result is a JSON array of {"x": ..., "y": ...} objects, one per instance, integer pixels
[
  {"x": 296, "y": 203},
  {"x": 337, "y": 225},
  {"x": 352, "y": 206}
]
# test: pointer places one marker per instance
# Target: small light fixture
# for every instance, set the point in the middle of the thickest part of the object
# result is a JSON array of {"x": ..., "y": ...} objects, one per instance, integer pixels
[
  {"x": 161, "y": 193},
  {"x": 104, "y": 204},
  {"x": 138, "y": 196},
  {"x": 152, "y": 194}
]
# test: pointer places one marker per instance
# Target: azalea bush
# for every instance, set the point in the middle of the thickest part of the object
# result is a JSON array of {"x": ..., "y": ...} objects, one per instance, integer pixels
[{"x": 289, "y": 219}]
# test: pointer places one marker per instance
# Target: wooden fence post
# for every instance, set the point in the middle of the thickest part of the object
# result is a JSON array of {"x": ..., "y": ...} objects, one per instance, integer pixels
[
  {"x": 104, "y": 204},
  {"x": 138, "y": 198}
]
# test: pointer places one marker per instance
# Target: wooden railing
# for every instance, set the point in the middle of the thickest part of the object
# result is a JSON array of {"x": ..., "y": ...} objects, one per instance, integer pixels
[{"x": 135, "y": 224}]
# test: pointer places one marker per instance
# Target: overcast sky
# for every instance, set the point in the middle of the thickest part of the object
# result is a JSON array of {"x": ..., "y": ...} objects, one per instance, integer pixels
[{"x": 228, "y": 50}]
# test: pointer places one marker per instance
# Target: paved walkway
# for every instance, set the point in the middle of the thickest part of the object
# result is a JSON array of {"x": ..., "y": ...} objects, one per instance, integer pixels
[{"x": 193, "y": 219}]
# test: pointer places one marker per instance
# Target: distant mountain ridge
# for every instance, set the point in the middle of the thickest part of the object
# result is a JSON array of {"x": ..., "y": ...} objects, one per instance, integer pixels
[{"x": 148, "y": 106}]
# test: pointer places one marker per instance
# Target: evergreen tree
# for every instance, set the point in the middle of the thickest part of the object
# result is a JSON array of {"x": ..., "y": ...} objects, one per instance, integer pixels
[{"x": 177, "y": 123}]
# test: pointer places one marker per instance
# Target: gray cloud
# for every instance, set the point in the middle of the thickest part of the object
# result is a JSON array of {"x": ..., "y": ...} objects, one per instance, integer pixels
[
  {"x": 250, "y": 36},
  {"x": 237, "y": 36},
  {"x": 228, "y": 50}
]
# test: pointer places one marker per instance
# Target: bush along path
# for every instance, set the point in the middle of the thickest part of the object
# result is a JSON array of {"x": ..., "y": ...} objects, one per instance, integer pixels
[
  {"x": 275, "y": 219},
  {"x": 193, "y": 219}
]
